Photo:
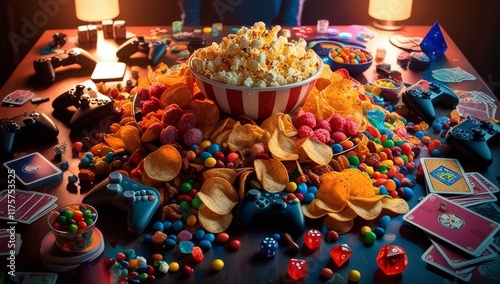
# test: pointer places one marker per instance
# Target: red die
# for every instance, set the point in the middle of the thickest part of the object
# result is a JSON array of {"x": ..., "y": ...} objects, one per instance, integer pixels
[
  {"x": 340, "y": 254},
  {"x": 392, "y": 259},
  {"x": 297, "y": 268},
  {"x": 313, "y": 239}
]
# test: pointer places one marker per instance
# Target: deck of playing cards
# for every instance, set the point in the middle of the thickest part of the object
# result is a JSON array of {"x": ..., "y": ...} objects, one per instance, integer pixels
[
  {"x": 34, "y": 171},
  {"x": 462, "y": 239},
  {"x": 29, "y": 206}
]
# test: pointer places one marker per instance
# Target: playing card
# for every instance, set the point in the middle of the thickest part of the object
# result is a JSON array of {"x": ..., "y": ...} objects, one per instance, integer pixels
[
  {"x": 34, "y": 277},
  {"x": 29, "y": 206},
  {"x": 433, "y": 257},
  {"x": 453, "y": 224},
  {"x": 492, "y": 211},
  {"x": 481, "y": 194},
  {"x": 18, "y": 97},
  {"x": 445, "y": 176},
  {"x": 486, "y": 182},
  {"x": 9, "y": 241},
  {"x": 460, "y": 260},
  {"x": 455, "y": 74}
]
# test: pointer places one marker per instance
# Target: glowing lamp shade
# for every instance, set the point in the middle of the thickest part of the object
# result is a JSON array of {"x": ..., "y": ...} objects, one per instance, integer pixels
[
  {"x": 389, "y": 14},
  {"x": 96, "y": 10}
]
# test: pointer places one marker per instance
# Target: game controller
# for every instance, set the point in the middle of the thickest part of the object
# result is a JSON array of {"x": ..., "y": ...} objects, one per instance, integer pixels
[
  {"x": 140, "y": 201},
  {"x": 422, "y": 96},
  {"x": 272, "y": 208},
  {"x": 91, "y": 106},
  {"x": 471, "y": 138},
  {"x": 154, "y": 49},
  {"x": 45, "y": 66},
  {"x": 26, "y": 126}
]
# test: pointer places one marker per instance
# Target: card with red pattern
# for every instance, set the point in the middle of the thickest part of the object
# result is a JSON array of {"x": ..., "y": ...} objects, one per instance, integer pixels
[{"x": 454, "y": 224}]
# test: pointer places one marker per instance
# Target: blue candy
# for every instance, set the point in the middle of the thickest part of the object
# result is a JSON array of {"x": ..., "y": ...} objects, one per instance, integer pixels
[
  {"x": 384, "y": 221},
  {"x": 186, "y": 247},
  {"x": 158, "y": 226}
]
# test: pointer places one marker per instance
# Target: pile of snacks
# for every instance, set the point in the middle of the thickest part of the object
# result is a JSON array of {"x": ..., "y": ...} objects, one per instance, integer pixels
[
  {"x": 340, "y": 154},
  {"x": 256, "y": 57}
]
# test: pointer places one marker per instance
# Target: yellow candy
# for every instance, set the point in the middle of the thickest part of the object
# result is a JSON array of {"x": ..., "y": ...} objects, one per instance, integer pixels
[
  {"x": 354, "y": 276},
  {"x": 210, "y": 162},
  {"x": 291, "y": 187},
  {"x": 217, "y": 264},
  {"x": 365, "y": 229},
  {"x": 174, "y": 266}
]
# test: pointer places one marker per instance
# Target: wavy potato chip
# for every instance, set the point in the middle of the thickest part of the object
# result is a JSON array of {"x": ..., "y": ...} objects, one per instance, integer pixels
[
  {"x": 272, "y": 174},
  {"x": 367, "y": 210},
  {"x": 345, "y": 215},
  {"x": 213, "y": 222},
  {"x": 226, "y": 173},
  {"x": 318, "y": 152},
  {"x": 164, "y": 164},
  {"x": 395, "y": 205},
  {"x": 243, "y": 137},
  {"x": 131, "y": 138},
  {"x": 207, "y": 115},
  {"x": 341, "y": 227},
  {"x": 282, "y": 147},
  {"x": 218, "y": 195}
]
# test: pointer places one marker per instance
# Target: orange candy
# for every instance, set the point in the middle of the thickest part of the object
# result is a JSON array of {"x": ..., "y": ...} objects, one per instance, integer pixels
[{"x": 390, "y": 185}]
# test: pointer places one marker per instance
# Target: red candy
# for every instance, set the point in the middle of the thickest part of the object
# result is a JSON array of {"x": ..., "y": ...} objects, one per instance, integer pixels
[{"x": 234, "y": 245}]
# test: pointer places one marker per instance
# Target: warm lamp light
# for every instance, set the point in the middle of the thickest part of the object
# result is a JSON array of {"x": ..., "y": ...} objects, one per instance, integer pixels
[
  {"x": 96, "y": 10},
  {"x": 389, "y": 14}
]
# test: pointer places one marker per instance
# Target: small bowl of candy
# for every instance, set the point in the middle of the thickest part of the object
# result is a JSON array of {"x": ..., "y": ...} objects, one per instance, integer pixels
[
  {"x": 73, "y": 226},
  {"x": 354, "y": 59},
  {"x": 390, "y": 89}
]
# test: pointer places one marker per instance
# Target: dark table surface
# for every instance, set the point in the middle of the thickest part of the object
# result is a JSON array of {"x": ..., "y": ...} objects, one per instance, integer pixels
[{"x": 246, "y": 265}]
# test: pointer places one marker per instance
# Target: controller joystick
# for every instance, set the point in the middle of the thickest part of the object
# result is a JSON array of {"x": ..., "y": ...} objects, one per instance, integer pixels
[
  {"x": 140, "y": 201},
  {"x": 471, "y": 138},
  {"x": 45, "y": 66},
  {"x": 422, "y": 96},
  {"x": 26, "y": 126},
  {"x": 154, "y": 49},
  {"x": 272, "y": 208},
  {"x": 91, "y": 106}
]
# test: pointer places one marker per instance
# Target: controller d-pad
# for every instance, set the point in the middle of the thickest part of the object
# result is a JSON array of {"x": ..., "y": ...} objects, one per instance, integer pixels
[
  {"x": 461, "y": 134},
  {"x": 262, "y": 203}
]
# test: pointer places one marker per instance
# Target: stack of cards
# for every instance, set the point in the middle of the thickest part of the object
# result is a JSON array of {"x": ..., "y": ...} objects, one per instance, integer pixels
[
  {"x": 34, "y": 171},
  {"x": 476, "y": 104},
  {"x": 18, "y": 97},
  {"x": 461, "y": 237},
  {"x": 29, "y": 206}
]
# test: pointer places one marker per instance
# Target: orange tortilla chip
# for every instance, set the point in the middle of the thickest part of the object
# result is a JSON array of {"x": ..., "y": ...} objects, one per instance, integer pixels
[
  {"x": 334, "y": 192},
  {"x": 178, "y": 94}
]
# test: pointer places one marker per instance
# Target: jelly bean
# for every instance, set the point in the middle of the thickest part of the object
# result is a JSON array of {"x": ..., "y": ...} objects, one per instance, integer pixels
[
  {"x": 217, "y": 264},
  {"x": 234, "y": 245},
  {"x": 231, "y": 157},
  {"x": 210, "y": 162},
  {"x": 379, "y": 232},
  {"x": 393, "y": 193},
  {"x": 205, "y": 245},
  {"x": 205, "y": 144},
  {"x": 209, "y": 237},
  {"x": 291, "y": 187},
  {"x": 337, "y": 148},
  {"x": 354, "y": 276},
  {"x": 365, "y": 229},
  {"x": 369, "y": 238},
  {"x": 326, "y": 273},
  {"x": 192, "y": 220},
  {"x": 174, "y": 266},
  {"x": 222, "y": 237},
  {"x": 158, "y": 226},
  {"x": 353, "y": 160}
]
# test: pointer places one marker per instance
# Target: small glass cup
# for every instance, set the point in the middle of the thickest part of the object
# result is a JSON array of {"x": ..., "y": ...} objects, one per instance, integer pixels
[
  {"x": 176, "y": 27},
  {"x": 62, "y": 223},
  {"x": 322, "y": 26}
]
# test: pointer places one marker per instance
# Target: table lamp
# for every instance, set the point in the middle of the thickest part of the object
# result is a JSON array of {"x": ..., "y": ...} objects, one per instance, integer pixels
[
  {"x": 389, "y": 14},
  {"x": 96, "y": 10}
]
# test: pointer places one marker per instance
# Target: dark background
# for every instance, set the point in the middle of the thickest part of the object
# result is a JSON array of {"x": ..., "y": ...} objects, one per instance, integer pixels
[{"x": 473, "y": 25}]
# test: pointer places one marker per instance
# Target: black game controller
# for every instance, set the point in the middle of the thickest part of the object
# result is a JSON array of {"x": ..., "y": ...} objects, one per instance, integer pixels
[
  {"x": 45, "y": 66},
  {"x": 422, "y": 96},
  {"x": 271, "y": 209},
  {"x": 154, "y": 49},
  {"x": 140, "y": 201},
  {"x": 91, "y": 106},
  {"x": 471, "y": 137},
  {"x": 32, "y": 126}
]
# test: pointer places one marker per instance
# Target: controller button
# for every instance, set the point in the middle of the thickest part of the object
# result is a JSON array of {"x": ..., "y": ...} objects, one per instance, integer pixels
[
  {"x": 128, "y": 195},
  {"x": 151, "y": 197},
  {"x": 253, "y": 194},
  {"x": 113, "y": 188},
  {"x": 262, "y": 203},
  {"x": 142, "y": 192},
  {"x": 115, "y": 177},
  {"x": 85, "y": 99},
  {"x": 149, "y": 192},
  {"x": 279, "y": 205}
]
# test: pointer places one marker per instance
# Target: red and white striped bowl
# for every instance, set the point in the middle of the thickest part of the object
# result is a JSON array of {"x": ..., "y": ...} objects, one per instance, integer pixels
[{"x": 257, "y": 103}]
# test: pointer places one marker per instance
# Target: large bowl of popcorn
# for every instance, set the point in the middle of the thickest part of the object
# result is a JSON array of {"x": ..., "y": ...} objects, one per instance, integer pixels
[{"x": 256, "y": 72}]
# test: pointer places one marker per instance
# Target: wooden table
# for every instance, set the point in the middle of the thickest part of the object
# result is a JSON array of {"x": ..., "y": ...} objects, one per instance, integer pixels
[{"x": 246, "y": 265}]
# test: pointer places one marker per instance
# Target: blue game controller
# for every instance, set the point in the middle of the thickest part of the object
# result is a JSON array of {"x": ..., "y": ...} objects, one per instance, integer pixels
[
  {"x": 422, "y": 96},
  {"x": 139, "y": 200},
  {"x": 471, "y": 137},
  {"x": 274, "y": 209}
]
